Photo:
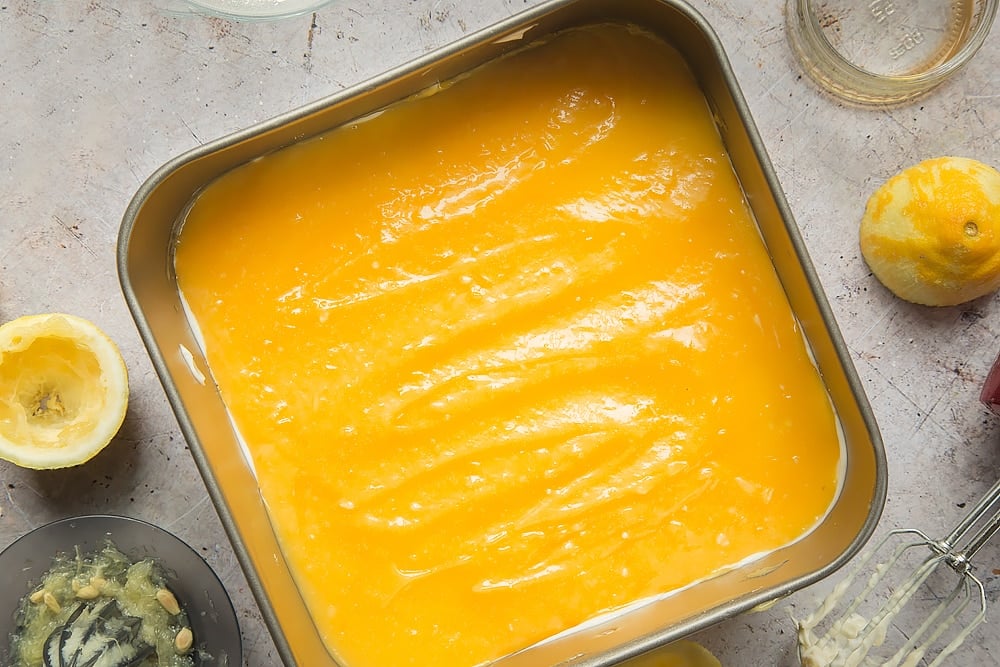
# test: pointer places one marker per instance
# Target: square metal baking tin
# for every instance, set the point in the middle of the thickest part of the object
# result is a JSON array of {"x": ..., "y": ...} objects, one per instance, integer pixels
[{"x": 145, "y": 264}]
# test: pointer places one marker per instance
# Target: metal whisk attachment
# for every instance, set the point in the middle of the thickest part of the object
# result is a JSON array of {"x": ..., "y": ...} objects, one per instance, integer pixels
[{"x": 938, "y": 587}]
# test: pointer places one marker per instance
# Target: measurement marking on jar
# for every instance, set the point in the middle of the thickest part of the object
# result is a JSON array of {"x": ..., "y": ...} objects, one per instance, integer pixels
[
  {"x": 910, "y": 40},
  {"x": 881, "y": 9}
]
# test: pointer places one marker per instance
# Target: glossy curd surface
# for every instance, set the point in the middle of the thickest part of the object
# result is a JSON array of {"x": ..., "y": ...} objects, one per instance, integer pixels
[{"x": 510, "y": 355}]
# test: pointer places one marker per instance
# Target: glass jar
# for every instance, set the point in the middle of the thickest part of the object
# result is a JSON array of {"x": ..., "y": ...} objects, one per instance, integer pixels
[
  {"x": 250, "y": 10},
  {"x": 886, "y": 51}
]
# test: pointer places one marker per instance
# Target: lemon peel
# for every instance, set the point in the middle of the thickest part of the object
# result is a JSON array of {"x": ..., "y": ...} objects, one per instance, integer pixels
[
  {"x": 931, "y": 233},
  {"x": 63, "y": 390}
]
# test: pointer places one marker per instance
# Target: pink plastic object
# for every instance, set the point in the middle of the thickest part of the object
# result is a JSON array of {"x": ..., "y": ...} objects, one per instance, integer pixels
[{"x": 990, "y": 396}]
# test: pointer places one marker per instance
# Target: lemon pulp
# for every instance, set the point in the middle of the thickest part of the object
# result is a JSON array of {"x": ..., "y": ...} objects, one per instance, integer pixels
[{"x": 111, "y": 576}]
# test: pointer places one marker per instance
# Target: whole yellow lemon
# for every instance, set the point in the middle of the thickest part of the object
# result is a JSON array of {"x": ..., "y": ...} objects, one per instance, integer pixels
[{"x": 931, "y": 233}]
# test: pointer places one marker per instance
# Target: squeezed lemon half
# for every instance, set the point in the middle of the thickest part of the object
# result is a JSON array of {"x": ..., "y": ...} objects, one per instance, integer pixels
[
  {"x": 683, "y": 653},
  {"x": 931, "y": 233},
  {"x": 63, "y": 390}
]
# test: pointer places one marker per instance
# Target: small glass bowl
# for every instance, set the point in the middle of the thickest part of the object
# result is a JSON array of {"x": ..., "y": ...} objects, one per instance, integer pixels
[
  {"x": 209, "y": 609},
  {"x": 886, "y": 51}
]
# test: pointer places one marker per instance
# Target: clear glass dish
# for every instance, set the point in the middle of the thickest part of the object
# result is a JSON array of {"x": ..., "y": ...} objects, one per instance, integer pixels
[
  {"x": 886, "y": 51},
  {"x": 209, "y": 609}
]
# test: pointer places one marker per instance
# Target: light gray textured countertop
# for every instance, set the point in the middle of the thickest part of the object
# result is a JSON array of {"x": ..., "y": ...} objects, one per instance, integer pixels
[{"x": 95, "y": 95}]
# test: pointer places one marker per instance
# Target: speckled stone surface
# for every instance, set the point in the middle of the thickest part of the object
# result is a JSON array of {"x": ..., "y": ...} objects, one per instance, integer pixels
[{"x": 95, "y": 95}]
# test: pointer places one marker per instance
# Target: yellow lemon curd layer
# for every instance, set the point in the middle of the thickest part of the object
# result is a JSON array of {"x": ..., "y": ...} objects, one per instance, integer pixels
[{"x": 510, "y": 355}]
